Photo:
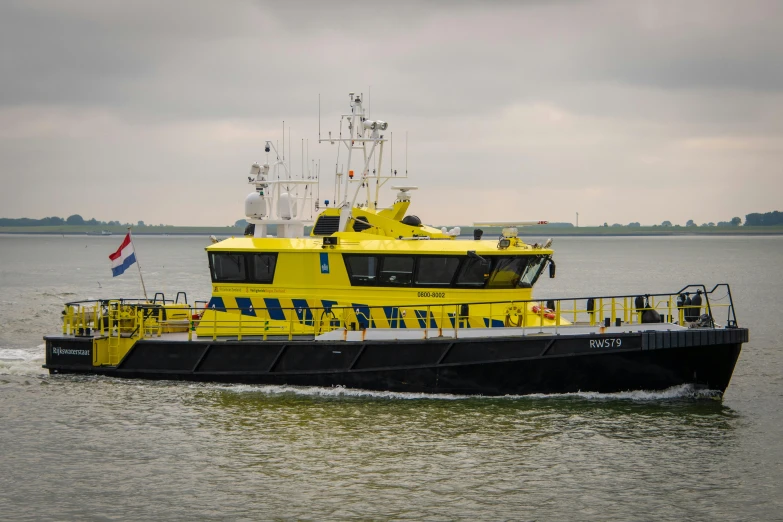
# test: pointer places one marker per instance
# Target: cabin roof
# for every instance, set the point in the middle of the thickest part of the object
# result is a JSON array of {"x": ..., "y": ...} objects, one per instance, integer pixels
[{"x": 381, "y": 245}]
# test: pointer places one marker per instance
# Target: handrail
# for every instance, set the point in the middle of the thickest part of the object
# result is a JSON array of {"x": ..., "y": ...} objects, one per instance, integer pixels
[{"x": 140, "y": 318}]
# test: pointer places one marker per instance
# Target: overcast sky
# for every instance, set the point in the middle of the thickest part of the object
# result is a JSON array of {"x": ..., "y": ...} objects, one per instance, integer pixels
[{"x": 621, "y": 111}]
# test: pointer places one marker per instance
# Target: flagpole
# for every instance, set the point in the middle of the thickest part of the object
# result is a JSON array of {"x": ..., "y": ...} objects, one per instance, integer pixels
[{"x": 138, "y": 264}]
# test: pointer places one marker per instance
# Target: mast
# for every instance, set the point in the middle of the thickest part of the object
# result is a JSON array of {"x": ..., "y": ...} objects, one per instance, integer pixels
[{"x": 364, "y": 134}]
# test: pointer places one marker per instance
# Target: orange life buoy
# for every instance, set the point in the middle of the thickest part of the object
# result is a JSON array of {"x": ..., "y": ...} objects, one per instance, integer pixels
[{"x": 547, "y": 312}]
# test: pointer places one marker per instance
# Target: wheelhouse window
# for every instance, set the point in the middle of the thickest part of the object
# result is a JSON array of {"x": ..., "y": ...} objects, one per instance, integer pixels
[
  {"x": 362, "y": 270},
  {"x": 496, "y": 272},
  {"x": 396, "y": 271},
  {"x": 244, "y": 267},
  {"x": 263, "y": 267},
  {"x": 228, "y": 266},
  {"x": 472, "y": 273},
  {"x": 533, "y": 270},
  {"x": 517, "y": 271},
  {"x": 436, "y": 271},
  {"x": 506, "y": 271}
]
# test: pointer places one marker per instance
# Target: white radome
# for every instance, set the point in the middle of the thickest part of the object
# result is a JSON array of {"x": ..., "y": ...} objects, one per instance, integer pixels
[{"x": 255, "y": 206}]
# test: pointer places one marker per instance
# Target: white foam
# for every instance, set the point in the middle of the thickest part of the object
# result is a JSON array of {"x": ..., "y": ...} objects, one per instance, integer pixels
[
  {"x": 15, "y": 361},
  {"x": 685, "y": 391},
  {"x": 336, "y": 391}
]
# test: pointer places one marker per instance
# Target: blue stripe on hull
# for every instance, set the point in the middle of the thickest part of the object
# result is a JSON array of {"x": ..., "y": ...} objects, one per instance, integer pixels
[
  {"x": 274, "y": 309},
  {"x": 394, "y": 317},
  {"x": 421, "y": 315},
  {"x": 217, "y": 304},
  {"x": 363, "y": 316},
  {"x": 246, "y": 306},
  {"x": 495, "y": 323},
  {"x": 303, "y": 311}
]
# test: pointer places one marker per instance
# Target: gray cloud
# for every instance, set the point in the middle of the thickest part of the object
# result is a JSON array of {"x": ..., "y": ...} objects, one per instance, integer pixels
[{"x": 599, "y": 96}]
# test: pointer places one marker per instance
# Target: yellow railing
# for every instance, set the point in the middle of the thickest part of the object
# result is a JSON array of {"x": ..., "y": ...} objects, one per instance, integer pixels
[
  {"x": 141, "y": 320},
  {"x": 118, "y": 318}
]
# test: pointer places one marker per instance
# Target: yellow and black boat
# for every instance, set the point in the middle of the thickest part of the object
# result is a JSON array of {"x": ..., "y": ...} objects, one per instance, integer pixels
[{"x": 372, "y": 298}]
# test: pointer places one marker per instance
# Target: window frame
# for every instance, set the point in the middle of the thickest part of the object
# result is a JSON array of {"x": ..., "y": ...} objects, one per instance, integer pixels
[
  {"x": 252, "y": 272},
  {"x": 382, "y": 261},
  {"x": 417, "y": 265},
  {"x": 544, "y": 259},
  {"x": 374, "y": 281},
  {"x": 227, "y": 253},
  {"x": 511, "y": 259},
  {"x": 463, "y": 262},
  {"x": 248, "y": 268}
]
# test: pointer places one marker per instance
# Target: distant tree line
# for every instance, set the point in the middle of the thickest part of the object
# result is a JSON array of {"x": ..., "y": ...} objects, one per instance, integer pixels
[
  {"x": 75, "y": 219},
  {"x": 768, "y": 219},
  {"x": 735, "y": 222},
  {"x": 751, "y": 220}
]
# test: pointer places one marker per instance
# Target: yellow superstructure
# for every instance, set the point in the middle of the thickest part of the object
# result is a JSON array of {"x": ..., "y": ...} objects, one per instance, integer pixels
[{"x": 404, "y": 270}]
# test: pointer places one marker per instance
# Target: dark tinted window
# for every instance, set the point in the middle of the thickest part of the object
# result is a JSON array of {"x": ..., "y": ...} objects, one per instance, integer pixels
[
  {"x": 436, "y": 270},
  {"x": 472, "y": 273},
  {"x": 496, "y": 272},
  {"x": 362, "y": 269},
  {"x": 263, "y": 267},
  {"x": 506, "y": 271},
  {"x": 533, "y": 270},
  {"x": 228, "y": 266},
  {"x": 396, "y": 271}
]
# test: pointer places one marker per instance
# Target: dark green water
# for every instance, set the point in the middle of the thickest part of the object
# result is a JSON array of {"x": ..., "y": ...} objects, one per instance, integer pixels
[{"x": 104, "y": 449}]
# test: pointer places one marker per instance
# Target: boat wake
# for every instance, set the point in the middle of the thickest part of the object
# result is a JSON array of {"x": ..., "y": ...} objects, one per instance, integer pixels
[
  {"x": 685, "y": 391},
  {"x": 15, "y": 361}
]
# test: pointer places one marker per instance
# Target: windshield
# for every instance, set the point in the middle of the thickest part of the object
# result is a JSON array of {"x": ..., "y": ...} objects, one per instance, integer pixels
[
  {"x": 533, "y": 270},
  {"x": 511, "y": 272}
]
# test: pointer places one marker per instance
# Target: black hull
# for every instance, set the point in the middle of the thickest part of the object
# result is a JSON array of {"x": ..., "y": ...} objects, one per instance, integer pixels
[{"x": 497, "y": 366}]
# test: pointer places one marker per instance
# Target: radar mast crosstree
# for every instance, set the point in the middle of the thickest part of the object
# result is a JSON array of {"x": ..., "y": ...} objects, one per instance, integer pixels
[
  {"x": 288, "y": 202},
  {"x": 365, "y": 139}
]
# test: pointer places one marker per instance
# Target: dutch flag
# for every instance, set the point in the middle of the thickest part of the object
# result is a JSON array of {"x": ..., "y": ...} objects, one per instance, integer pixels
[{"x": 123, "y": 257}]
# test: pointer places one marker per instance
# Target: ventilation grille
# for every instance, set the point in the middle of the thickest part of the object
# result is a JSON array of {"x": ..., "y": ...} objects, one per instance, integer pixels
[
  {"x": 326, "y": 225},
  {"x": 360, "y": 224}
]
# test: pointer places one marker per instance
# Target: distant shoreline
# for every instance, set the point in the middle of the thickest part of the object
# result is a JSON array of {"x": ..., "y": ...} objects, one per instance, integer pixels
[{"x": 79, "y": 230}]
